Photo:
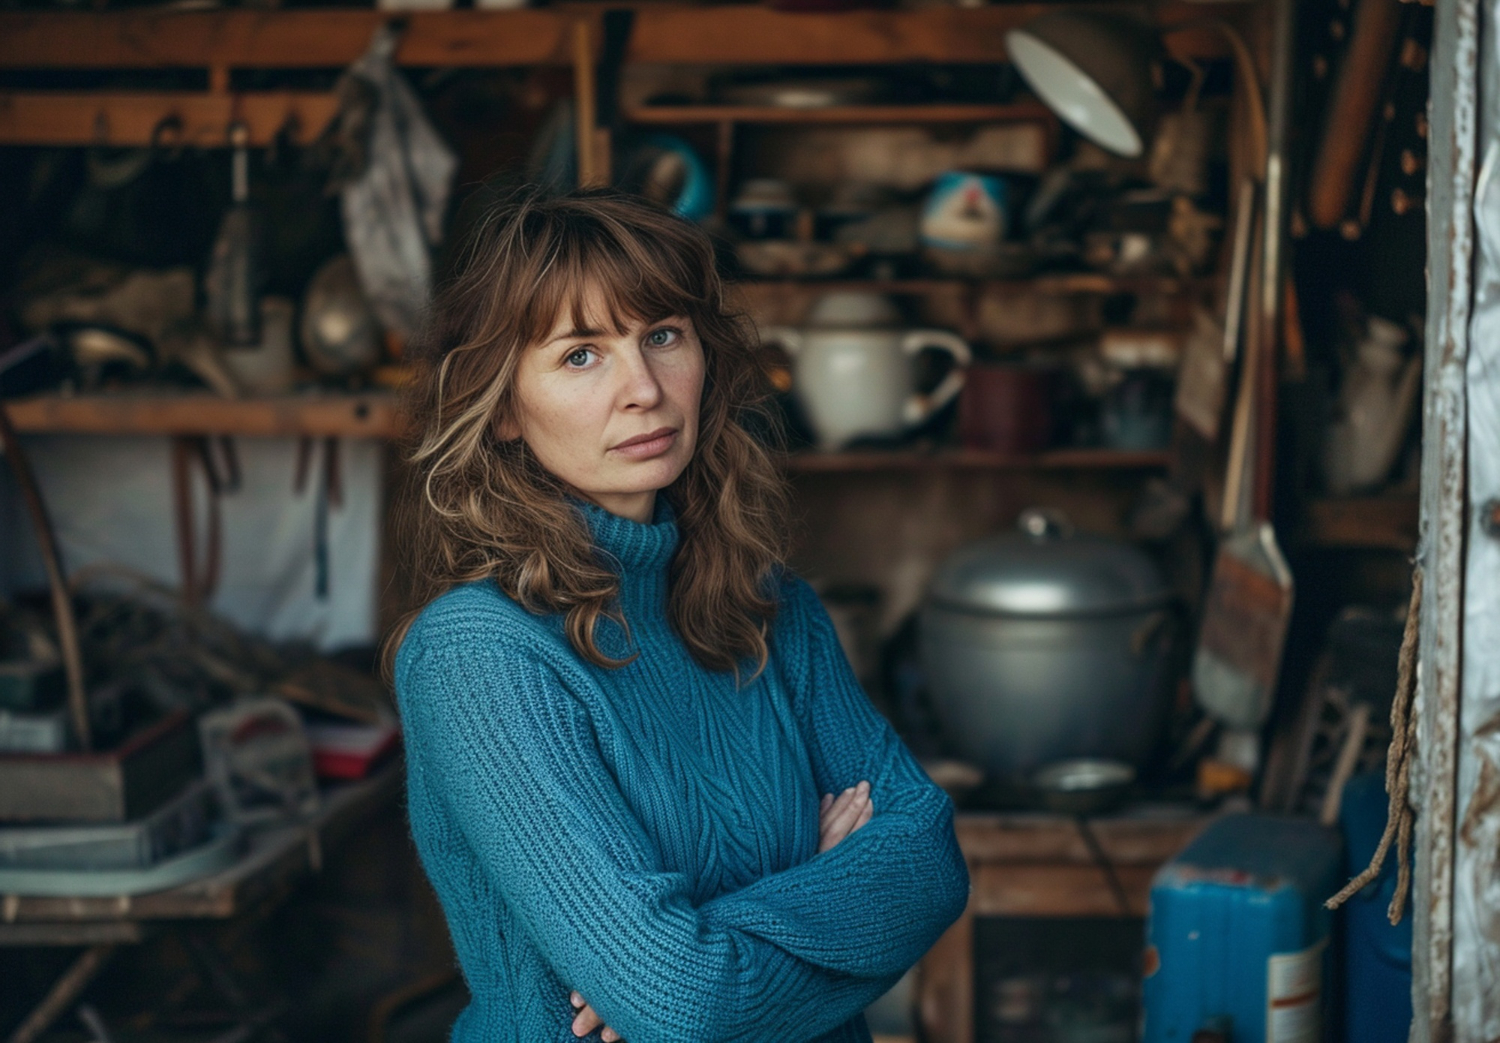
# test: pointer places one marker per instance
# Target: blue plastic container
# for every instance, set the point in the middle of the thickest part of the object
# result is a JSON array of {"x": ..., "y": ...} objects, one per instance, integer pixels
[
  {"x": 1377, "y": 956},
  {"x": 1237, "y": 932}
]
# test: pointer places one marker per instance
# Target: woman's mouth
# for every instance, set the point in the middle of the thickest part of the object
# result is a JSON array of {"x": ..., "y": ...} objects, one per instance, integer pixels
[{"x": 643, "y": 447}]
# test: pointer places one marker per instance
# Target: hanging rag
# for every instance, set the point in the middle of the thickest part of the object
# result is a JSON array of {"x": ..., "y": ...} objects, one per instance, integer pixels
[{"x": 393, "y": 173}]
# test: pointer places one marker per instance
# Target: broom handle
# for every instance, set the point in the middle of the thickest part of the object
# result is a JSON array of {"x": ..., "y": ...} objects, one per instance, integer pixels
[{"x": 1238, "y": 481}]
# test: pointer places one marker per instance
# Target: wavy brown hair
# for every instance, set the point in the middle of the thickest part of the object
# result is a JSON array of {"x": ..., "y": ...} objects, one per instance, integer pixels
[{"x": 481, "y": 507}]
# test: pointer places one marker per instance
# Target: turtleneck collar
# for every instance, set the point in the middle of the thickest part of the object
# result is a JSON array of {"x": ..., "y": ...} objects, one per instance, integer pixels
[{"x": 638, "y": 553}]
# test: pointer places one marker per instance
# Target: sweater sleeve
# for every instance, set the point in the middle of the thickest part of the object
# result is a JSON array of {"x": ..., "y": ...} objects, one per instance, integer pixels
[
  {"x": 526, "y": 782},
  {"x": 876, "y": 902}
]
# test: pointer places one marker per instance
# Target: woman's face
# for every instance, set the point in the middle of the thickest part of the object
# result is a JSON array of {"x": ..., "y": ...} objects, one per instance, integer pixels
[{"x": 612, "y": 414}]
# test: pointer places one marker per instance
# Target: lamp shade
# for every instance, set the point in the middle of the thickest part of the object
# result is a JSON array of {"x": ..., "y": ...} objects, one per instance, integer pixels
[{"x": 1095, "y": 70}]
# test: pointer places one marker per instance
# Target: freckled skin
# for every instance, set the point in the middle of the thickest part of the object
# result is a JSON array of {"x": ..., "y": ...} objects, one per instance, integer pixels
[{"x": 581, "y": 393}]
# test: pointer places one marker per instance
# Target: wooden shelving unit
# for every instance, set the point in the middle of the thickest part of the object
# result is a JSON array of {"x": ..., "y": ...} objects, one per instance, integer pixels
[
  {"x": 218, "y": 43},
  {"x": 374, "y": 414}
]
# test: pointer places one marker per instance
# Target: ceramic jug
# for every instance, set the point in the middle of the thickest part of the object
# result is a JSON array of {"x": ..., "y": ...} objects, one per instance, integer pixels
[
  {"x": 1376, "y": 404},
  {"x": 852, "y": 368}
]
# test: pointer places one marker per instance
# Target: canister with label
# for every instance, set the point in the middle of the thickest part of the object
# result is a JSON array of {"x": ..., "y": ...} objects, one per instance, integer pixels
[{"x": 1237, "y": 934}]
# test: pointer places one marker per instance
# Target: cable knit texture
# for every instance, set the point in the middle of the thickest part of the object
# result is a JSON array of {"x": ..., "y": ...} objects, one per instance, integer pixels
[{"x": 648, "y": 835}]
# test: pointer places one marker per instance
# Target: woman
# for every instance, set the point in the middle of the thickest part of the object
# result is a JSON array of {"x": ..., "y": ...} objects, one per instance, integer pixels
[{"x": 621, "y": 710}]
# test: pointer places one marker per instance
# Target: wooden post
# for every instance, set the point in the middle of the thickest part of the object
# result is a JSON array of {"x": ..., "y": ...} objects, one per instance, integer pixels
[{"x": 584, "y": 105}]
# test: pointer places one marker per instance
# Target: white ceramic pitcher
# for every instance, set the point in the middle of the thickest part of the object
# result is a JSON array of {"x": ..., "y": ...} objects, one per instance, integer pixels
[{"x": 852, "y": 368}]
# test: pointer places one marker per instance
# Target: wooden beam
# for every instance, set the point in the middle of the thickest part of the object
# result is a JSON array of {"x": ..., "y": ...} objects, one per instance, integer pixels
[
  {"x": 672, "y": 115},
  {"x": 133, "y": 118},
  {"x": 732, "y": 34},
  {"x": 273, "y": 39},
  {"x": 750, "y": 34},
  {"x": 372, "y": 415}
]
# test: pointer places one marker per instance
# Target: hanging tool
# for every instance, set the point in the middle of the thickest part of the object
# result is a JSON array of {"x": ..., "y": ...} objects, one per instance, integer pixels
[
  {"x": 198, "y": 584},
  {"x": 235, "y": 273},
  {"x": 328, "y": 494},
  {"x": 1249, "y": 603}
]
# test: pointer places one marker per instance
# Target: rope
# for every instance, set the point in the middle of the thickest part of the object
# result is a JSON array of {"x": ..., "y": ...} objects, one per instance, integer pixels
[{"x": 1397, "y": 772}]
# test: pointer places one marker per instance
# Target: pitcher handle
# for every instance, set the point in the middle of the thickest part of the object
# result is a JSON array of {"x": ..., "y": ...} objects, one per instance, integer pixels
[{"x": 919, "y": 407}]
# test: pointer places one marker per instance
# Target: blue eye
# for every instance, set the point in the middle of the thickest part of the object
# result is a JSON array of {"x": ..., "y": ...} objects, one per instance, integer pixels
[
  {"x": 662, "y": 337},
  {"x": 578, "y": 357}
]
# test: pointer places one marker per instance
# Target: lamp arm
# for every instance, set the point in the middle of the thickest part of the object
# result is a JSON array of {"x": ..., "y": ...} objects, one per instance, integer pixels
[{"x": 1245, "y": 67}]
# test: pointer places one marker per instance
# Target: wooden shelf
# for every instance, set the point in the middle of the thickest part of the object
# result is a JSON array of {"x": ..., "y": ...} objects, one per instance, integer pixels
[
  {"x": 663, "y": 33},
  {"x": 974, "y": 459},
  {"x": 1363, "y": 522},
  {"x": 367, "y": 415},
  {"x": 1052, "y": 283},
  {"x": 122, "y": 118},
  {"x": 374, "y": 415},
  {"x": 675, "y": 115}
]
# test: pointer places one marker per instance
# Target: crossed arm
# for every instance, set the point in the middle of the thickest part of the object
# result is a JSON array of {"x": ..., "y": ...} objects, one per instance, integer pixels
[{"x": 790, "y": 956}]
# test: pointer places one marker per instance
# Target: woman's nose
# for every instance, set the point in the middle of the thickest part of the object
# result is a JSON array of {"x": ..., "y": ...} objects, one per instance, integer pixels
[{"x": 639, "y": 385}]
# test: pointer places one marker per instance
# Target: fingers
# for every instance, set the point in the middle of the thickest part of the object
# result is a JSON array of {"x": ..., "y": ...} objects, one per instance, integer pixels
[
  {"x": 588, "y": 1020},
  {"x": 841, "y": 815},
  {"x": 864, "y": 816}
]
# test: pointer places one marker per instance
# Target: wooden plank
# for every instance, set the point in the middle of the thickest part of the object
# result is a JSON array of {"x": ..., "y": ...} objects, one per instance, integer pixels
[
  {"x": 751, "y": 34},
  {"x": 111, "y": 932},
  {"x": 156, "y": 39},
  {"x": 1056, "y": 459},
  {"x": 945, "y": 983},
  {"x": 733, "y": 34},
  {"x": 676, "y": 115},
  {"x": 1374, "y": 522},
  {"x": 1014, "y": 839},
  {"x": 367, "y": 415},
  {"x": 1057, "y": 890},
  {"x": 133, "y": 118},
  {"x": 1060, "y": 283}
]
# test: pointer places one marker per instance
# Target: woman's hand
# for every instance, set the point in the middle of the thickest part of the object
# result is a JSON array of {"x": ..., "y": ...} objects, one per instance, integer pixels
[
  {"x": 839, "y": 816},
  {"x": 587, "y": 1020}
]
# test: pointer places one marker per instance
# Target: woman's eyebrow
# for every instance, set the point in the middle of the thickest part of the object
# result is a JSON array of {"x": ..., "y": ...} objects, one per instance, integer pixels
[{"x": 576, "y": 334}]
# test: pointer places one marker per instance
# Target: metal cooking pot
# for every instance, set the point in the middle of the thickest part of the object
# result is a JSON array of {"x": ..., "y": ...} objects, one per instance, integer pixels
[{"x": 1048, "y": 644}]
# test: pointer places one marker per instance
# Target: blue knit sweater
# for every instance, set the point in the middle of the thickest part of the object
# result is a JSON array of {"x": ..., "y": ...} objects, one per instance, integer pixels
[{"x": 648, "y": 835}]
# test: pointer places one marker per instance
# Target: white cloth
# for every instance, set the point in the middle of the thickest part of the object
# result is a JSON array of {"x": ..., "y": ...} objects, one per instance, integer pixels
[{"x": 111, "y": 500}]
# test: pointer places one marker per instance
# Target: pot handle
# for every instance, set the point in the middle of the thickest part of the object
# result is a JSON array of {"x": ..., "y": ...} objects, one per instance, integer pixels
[
  {"x": 788, "y": 338},
  {"x": 919, "y": 407}
]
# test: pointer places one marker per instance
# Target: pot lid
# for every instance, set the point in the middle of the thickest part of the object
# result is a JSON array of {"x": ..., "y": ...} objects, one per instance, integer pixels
[{"x": 1047, "y": 569}]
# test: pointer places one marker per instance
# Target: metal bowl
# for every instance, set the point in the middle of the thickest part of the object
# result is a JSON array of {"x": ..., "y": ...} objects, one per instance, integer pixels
[{"x": 1083, "y": 786}]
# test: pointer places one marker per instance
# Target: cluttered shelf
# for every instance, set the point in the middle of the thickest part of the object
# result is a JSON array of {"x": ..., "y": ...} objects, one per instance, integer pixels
[{"x": 273, "y": 858}]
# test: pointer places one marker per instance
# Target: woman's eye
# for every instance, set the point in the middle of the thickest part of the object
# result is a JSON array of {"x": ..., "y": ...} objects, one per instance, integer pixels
[
  {"x": 662, "y": 337},
  {"x": 578, "y": 358}
]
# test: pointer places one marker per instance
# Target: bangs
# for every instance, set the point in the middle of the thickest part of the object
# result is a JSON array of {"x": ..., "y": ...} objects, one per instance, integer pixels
[{"x": 634, "y": 274}]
